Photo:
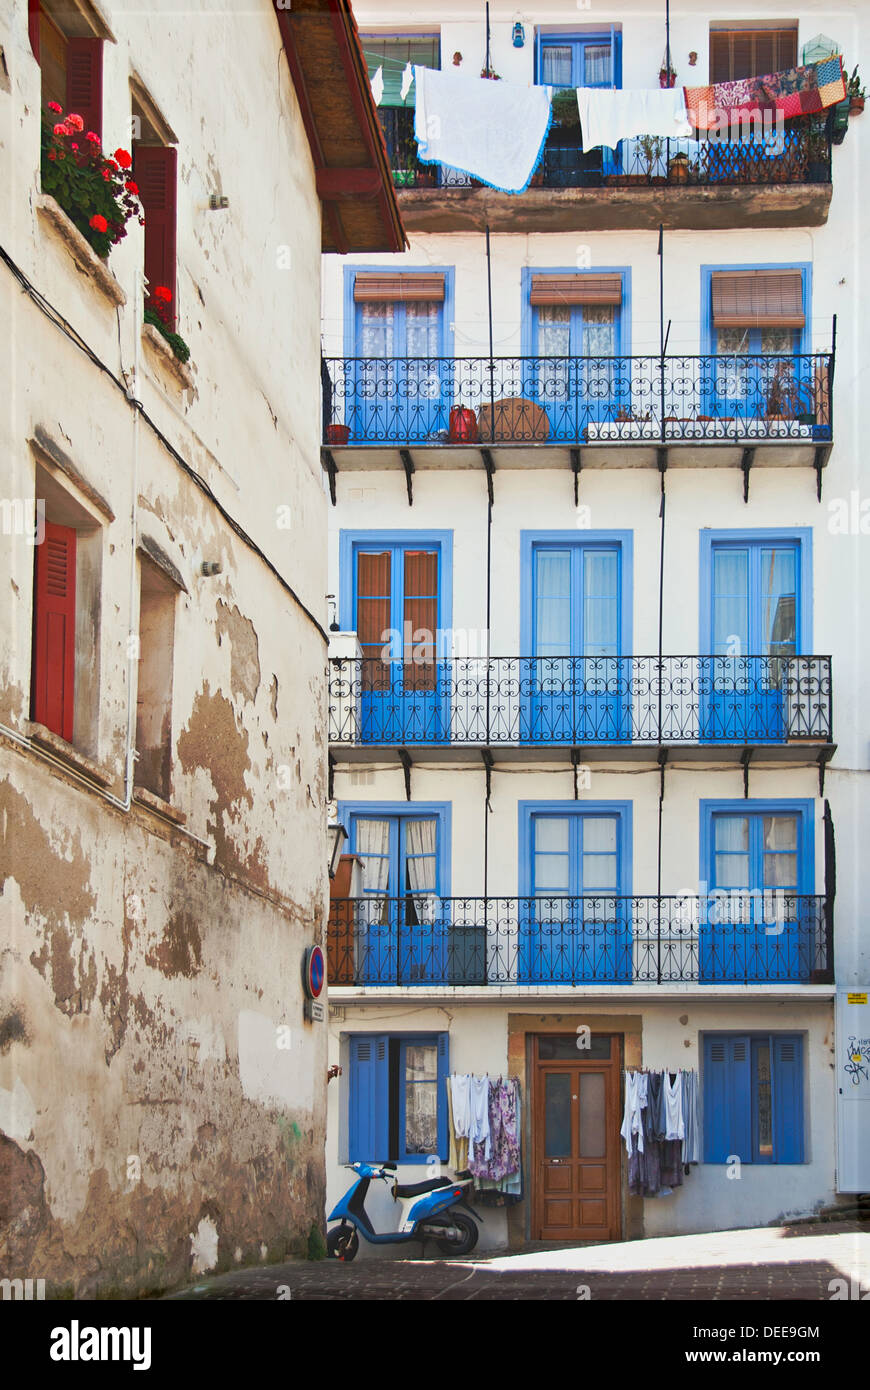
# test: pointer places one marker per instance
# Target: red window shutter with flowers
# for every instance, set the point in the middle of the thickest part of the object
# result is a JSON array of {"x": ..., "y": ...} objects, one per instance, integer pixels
[
  {"x": 155, "y": 170},
  {"x": 54, "y": 630},
  {"x": 84, "y": 81},
  {"x": 33, "y": 26}
]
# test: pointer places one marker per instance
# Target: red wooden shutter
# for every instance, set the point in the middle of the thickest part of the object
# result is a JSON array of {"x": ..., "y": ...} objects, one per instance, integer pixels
[
  {"x": 420, "y": 618},
  {"x": 55, "y": 630},
  {"x": 33, "y": 26},
  {"x": 373, "y": 611},
  {"x": 155, "y": 170},
  {"x": 84, "y": 81}
]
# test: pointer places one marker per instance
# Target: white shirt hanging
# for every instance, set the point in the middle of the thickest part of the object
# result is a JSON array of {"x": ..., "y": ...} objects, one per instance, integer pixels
[
  {"x": 378, "y": 86},
  {"x": 407, "y": 79}
]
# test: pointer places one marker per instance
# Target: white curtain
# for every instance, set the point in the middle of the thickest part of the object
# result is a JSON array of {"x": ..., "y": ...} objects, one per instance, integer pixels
[
  {"x": 420, "y": 839},
  {"x": 373, "y": 848}
]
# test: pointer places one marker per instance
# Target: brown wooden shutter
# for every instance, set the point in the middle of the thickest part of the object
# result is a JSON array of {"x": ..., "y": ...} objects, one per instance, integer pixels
[
  {"x": 373, "y": 614},
  {"x": 761, "y": 298},
  {"x": 421, "y": 618},
  {"x": 84, "y": 81},
  {"x": 739, "y": 53},
  {"x": 33, "y": 26},
  {"x": 576, "y": 289},
  {"x": 155, "y": 169},
  {"x": 54, "y": 630},
  {"x": 369, "y": 287}
]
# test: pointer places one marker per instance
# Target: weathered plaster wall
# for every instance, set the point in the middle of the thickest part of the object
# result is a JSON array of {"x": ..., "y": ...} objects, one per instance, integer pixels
[{"x": 161, "y": 1101}]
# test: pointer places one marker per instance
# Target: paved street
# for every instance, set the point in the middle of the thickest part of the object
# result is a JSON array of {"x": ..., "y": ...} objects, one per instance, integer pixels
[{"x": 797, "y": 1262}]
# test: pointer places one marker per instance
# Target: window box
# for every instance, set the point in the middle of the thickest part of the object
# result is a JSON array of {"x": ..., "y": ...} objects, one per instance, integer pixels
[
  {"x": 166, "y": 359},
  {"x": 84, "y": 256}
]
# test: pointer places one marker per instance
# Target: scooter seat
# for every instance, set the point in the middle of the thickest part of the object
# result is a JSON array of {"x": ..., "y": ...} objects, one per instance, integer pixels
[{"x": 416, "y": 1189}]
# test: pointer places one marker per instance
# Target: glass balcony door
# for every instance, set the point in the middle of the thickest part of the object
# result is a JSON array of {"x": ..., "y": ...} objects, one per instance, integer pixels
[
  {"x": 577, "y": 375},
  {"x": 579, "y": 681},
  {"x": 401, "y": 930},
  {"x": 399, "y": 394}
]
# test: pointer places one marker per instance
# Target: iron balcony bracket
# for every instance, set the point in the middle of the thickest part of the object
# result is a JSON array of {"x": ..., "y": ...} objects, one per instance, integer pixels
[
  {"x": 825, "y": 757},
  {"x": 330, "y": 778},
  {"x": 489, "y": 465},
  {"x": 332, "y": 470},
  {"x": 486, "y": 755},
  {"x": 576, "y": 465},
  {"x": 408, "y": 465},
  {"x": 576, "y": 760},
  {"x": 822, "y": 455},
  {"x": 746, "y": 463},
  {"x": 405, "y": 759},
  {"x": 745, "y": 758}
]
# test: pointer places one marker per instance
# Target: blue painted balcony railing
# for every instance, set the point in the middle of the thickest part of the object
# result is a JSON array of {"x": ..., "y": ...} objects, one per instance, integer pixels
[
  {"x": 700, "y": 399},
  {"x": 577, "y": 701},
  {"x": 797, "y": 154},
  {"x": 719, "y": 938}
]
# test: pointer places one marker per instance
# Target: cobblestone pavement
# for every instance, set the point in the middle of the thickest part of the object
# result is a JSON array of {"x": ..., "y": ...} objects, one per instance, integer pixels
[{"x": 785, "y": 1262}]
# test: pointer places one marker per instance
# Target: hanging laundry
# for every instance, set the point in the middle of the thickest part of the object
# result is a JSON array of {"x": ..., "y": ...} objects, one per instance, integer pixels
[
  {"x": 608, "y": 116},
  {"x": 458, "y": 1156},
  {"x": 378, "y": 86},
  {"x": 407, "y": 79},
  {"x": 504, "y": 1156},
  {"x": 799, "y": 91},
  {"x": 631, "y": 1120},
  {"x": 673, "y": 1092},
  {"x": 692, "y": 1137},
  {"x": 494, "y": 131}
]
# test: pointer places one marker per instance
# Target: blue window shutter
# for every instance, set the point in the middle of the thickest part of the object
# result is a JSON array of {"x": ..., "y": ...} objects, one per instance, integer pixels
[
  {"x": 443, "y": 1071},
  {"x": 788, "y": 1118},
  {"x": 368, "y": 1132},
  {"x": 727, "y": 1114}
]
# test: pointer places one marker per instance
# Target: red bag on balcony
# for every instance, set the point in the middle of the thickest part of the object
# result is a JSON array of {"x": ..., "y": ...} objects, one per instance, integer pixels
[{"x": 463, "y": 426}]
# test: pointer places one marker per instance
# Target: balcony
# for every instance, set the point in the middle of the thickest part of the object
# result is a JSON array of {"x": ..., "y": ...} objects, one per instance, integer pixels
[
  {"x": 700, "y": 184},
  {"x": 699, "y": 707},
  {"x": 548, "y": 412},
  {"x": 774, "y": 937}
]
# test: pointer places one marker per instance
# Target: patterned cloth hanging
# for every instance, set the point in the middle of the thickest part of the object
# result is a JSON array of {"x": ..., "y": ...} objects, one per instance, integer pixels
[{"x": 799, "y": 91}]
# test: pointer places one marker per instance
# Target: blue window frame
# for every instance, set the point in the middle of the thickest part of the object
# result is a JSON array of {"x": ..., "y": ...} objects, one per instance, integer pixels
[
  {"x": 575, "y": 886},
  {"x": 402, "y": 926},
  {"x": 753, "y": 1097},
  {"x": 396, "y": 594},
  {"x": 761, "y": 921},
  {"x": 575, "y": 373},
  {"x": 575, "y": 636},
  {"x": 397, "y": 1102},
  {"x": 577, "y": 59},
  {"x": 742, "y": 382},
  {"x": 401, "y": 382},
  {"x": 755, "y": 613}
]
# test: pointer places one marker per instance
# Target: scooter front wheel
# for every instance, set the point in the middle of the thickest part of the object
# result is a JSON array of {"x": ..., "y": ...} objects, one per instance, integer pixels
[
  {"x": 466, "y": 1241},
  {"x": 342, "y": 1243}
]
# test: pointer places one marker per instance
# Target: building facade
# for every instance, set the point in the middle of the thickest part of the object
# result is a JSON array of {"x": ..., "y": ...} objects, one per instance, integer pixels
[
  {"x": 162, "y": 1090},
  {"x": 595, "y": 692}
]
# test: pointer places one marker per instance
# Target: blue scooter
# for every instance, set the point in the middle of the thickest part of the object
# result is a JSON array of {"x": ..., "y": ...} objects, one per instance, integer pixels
[{"x": 428, "y": 1209}]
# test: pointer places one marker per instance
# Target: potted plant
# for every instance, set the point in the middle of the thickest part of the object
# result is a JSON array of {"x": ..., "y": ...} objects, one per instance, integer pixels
[
  {"x": 337, "y": 434},
  {"x": 817, "y": 157},
  {"x": 787, "y": 399},
  {"x": 678, "y": 168},
  {"x": 856, "y": 93},
  {"x": 96, "y": 191},
  {"x": 652, "y": 147},
  {"x": 158, "y": 313},
  {"x": 667, "y": 74}
]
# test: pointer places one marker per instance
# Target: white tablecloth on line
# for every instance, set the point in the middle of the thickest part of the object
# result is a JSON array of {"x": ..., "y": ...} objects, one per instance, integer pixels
[{"x": 493, "y": 130}]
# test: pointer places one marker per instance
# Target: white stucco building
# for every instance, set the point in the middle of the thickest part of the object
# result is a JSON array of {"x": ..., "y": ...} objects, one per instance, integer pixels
[
  {"x": 598, "y": 680},
  {"x": 163, "y": 630}
]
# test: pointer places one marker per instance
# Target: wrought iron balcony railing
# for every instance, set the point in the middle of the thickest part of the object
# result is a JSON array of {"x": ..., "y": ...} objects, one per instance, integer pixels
[
  {"x": 799, "y": 154},
  {"x": 576, "y": 701},
  {"x": 770, "y": 937},
  {"x": 701, "y": 399}
]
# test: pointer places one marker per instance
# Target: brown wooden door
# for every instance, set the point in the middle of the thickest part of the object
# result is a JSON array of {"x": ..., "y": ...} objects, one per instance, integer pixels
[{"x": 575, "y": 1140}]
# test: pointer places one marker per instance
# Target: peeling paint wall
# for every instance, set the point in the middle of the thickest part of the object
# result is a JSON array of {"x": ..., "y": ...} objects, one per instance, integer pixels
[{"x": 162, "y": 1100}]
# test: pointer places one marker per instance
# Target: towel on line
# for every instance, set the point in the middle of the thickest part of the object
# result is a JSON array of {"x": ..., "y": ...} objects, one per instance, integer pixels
[
  {"x": 608, "y": 116},
  {"x": 494, "y": 131}
]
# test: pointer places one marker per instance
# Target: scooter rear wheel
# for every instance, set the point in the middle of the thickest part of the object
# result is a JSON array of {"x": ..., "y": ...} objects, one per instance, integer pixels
[
  {"x": 466, "y": 1243},
  {"x": 342, "y": 1243}
]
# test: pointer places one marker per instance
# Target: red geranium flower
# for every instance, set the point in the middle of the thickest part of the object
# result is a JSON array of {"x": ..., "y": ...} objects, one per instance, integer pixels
[
  {"x": 131, "y": 186},
  {"x": 52, "y": 155},
  {"x": 99, "y": 223},
  {"x": 53, "y": 106},
  {"x": 93, "y": 137},
  {"x": 163, "y": 293},
  {"x": 107, "y": 174},
  {"x": 73, "y": 146},
  {"x": 60, "y": 129},
  {"x": 124, "y": 159},
  {"x": 75, "y": 122}
]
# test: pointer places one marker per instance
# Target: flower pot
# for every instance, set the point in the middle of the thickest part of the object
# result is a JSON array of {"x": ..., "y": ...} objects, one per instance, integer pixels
[
  {"x": 463, "y": 426},
  {"x": 337, "y": 434},
  {"x": 678, "y": 170},
  {"x": 856, "y": 106}
]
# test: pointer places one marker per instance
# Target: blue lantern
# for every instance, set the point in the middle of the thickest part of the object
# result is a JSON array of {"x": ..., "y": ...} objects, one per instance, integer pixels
[{"x": 519, "y": 35}]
